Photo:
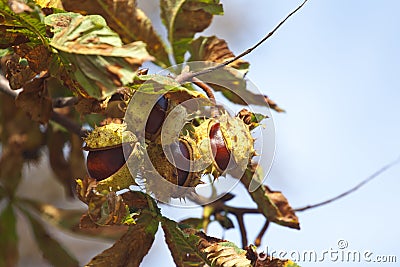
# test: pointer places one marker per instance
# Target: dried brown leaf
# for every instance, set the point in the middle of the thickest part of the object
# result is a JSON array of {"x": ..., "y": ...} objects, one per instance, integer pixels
[
  {"x": 17, "y": 72},
  {"x": 90, "y": 105},
  {"x": 9, "y": 38},
  {"x": 38, "y": 57},
  {"x": 215, "y": 50},
  {"x": 88, "y": 227},
  {"x": 107, "y": 208},
  {"x": 35, "y": 101},
  {"x": 131, "y": 248},
  {"x": 273, "y": 204},
  {"x": 190, "y": 247},
  {"x": 233, "y": 85},
  {"x": 184, "y": 19}
]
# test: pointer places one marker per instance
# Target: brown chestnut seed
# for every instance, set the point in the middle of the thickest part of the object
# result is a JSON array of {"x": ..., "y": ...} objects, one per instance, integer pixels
[
  {"x": 218, "y": 147},
  {"x": 101, "y": 164},
  {"x": 157, "y": 116},
  {"x": 178, "y": 150}
]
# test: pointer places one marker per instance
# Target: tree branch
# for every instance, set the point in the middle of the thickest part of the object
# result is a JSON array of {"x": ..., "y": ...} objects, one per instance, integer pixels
[
  {"x": 242, "y": 228},
  {"x": 257, "y": 241},
  {"x": 188, "y": 76},
  {"x": 352, "y": 190}
]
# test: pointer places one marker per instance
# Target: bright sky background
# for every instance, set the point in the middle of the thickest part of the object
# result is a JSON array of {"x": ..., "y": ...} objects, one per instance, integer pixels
[{"x": 334, "y": 68}]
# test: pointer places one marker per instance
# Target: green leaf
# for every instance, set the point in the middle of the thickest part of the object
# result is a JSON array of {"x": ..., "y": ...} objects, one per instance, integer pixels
[
  {"x": 185, "y": 18},
  {"x": 101, "y": 63},
  {"x": 233, "y": 84},
  {"x": 20, "y": 26},
  {"x": 131, "y": 248},
  {"x": 128, "y": 21},
  {"x": 154, "y": 84},
  {"x": 273, "y": 204},
  {"x": 9, "y": 238},
  {"x": 190, "y": 247},
  {"x": 52, "y": 250}
]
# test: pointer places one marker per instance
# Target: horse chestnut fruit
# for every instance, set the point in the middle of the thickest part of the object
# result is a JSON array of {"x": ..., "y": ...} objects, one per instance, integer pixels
[
  {"x": 218, "y": 147},
  {"x": 156, "y": 117},
  {"x": 102, "y": 163},
  {"x": 180, "y": 149}
]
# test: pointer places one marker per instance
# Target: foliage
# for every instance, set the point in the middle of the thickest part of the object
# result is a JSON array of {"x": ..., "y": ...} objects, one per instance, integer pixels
[{"x": 70, "y": 63}]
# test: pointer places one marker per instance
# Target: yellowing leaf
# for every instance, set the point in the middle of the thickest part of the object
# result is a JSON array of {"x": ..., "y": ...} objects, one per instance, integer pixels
[
  {"x": 190, "y": 247},
  {"x": 101, "y": 63},
  {"x": 35, "y": 101},
  {"x": 131, "y": 248},
  {"x": 273, "y": 204},
  {"x": 215, "y": 50},
  {"x": 233, "y": 84},
  {"x": 128, "y": 21},
  {"x": 184, "y": 19}
]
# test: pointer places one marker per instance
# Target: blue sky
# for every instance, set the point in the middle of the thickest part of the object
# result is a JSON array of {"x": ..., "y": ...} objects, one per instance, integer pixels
[{"x": 334, "y": 68}]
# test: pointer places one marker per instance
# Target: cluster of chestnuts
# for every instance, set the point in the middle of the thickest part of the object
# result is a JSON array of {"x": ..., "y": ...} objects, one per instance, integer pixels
[{"x": 213, "y": 145}]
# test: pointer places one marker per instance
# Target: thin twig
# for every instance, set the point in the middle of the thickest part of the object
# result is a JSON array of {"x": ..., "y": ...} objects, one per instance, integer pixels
[
  {"x": 210, "y": 94},
  {"x": 206, "y": 88},
  {"x": 352, "y": 190},
  {"x": 242, "y": 228},
  {"x": 188, "y": 76},
  {"x": 56, "y": 117},
  {"x": 68, "y": 124},
  {"x": 257, "y": 241}
]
